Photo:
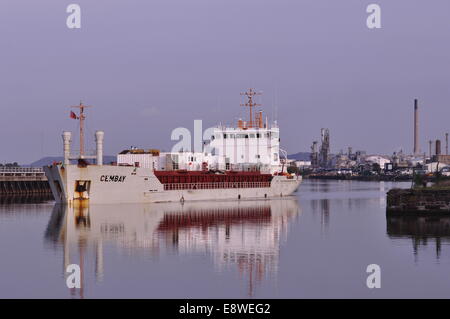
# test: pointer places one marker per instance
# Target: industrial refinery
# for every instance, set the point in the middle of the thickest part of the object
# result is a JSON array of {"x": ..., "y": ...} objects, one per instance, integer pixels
[
  {"x": 222, "y": 156},
  {"x": 361, "y": 165}
]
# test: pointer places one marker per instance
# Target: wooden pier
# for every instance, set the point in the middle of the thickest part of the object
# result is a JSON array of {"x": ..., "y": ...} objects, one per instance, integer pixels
[{"x": 23, "y": 181}]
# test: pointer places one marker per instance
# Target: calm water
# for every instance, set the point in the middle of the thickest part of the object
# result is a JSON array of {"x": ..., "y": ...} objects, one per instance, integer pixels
[{"x": 316, "y": 244}]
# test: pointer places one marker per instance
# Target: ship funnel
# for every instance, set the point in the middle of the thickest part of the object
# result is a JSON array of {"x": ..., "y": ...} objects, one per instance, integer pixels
[
  {"x": 99, "y": 146},
  {"x": 67, "y": 140}
]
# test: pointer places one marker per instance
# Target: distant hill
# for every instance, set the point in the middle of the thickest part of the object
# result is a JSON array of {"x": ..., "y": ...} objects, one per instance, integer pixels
[
  {"x": 300, "y": 156},
  {"x": 50, "y": 159}
]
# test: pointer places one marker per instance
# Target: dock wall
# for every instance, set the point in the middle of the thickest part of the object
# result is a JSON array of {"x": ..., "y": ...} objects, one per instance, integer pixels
[{"x": 418, "y": 201}]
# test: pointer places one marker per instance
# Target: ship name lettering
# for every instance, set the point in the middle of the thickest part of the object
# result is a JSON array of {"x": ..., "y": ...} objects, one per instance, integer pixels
[{"x": 112, "y": 178}]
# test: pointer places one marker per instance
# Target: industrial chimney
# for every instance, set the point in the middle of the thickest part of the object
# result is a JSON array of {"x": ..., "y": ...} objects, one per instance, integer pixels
[
  {"x": 416, "y": 127},
  {"x": 446, "y": 143},
  {"x": 99, "y": 146},
  {"x": 438, "y": 147},
  {"x": 430, "y": 142},
  {"x": 66, "y": 140}
]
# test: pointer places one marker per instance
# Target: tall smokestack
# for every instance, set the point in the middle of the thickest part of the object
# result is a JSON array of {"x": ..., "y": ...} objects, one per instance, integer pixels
[
  {"x": 446, "y": 143},
  {"x": 438, "y": 147},
  {"x": 416, "y": 127},
  {"x": 430, "y": 146}
]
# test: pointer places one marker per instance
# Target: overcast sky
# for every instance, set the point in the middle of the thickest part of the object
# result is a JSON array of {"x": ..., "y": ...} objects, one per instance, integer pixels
[{"x": 151, "y": 66}]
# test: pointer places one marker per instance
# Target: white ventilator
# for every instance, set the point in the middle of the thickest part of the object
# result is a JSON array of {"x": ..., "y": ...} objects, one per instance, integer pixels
[
  {"x": 67, "y": 140},
  {"x": 99, "y": 146}
]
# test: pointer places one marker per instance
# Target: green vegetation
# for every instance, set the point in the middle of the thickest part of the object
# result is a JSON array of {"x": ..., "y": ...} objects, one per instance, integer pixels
[
  {"x": 437, "y": 181},
  {"x": 10, "y": 165}
]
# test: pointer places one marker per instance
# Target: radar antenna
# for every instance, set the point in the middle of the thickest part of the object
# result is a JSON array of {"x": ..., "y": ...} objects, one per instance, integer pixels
[{"x": 250, "y": 94}]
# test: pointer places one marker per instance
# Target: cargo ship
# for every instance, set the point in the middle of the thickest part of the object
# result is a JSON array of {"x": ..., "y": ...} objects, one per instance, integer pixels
[{"x": 235, "y": 163}]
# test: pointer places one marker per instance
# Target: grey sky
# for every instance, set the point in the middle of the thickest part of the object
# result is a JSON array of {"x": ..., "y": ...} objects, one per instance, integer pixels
[{"x": 151, "y": 66}]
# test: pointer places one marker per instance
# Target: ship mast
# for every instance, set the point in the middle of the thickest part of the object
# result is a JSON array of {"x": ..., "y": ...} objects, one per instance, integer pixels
[
  {"x": 250, "y": 94},
  {"x": 81, "y": 118}
]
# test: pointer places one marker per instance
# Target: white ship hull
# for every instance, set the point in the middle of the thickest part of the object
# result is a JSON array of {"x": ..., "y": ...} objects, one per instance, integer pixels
[{"x": 109, "y": 184}]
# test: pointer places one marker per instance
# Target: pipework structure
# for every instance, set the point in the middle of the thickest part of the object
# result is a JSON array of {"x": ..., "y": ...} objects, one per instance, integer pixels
[
  {"x": 324, "y": 155},
  {"x": 314, "y": 155}
]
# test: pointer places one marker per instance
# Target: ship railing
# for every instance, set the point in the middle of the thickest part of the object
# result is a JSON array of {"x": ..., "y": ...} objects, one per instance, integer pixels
[
  {"x": 75, "y": 153},
  {"x": 6, "y": 178},
  {"x": 218, "y": 185},
  {"x": 8, "y": 169}
]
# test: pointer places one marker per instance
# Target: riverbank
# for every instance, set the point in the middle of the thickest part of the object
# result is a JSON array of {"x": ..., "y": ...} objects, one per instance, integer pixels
[{"x": 369, "y": 178}]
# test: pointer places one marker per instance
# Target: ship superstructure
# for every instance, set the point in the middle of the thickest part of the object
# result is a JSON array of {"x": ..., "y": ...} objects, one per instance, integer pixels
[
  {"x": 236, "y": 163},
  {"x": 252, "y": 144}
]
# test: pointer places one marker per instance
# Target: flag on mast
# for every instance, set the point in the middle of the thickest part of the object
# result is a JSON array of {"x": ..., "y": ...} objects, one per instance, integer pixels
[{"x": 73, "y": 115}]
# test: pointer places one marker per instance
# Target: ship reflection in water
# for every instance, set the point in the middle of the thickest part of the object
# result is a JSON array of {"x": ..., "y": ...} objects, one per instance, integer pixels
[
  {"x": 245, "y": 235},
  {"x": 420, "y": 230}
]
